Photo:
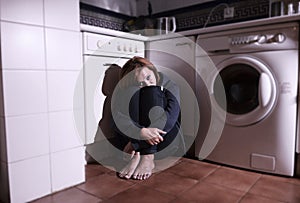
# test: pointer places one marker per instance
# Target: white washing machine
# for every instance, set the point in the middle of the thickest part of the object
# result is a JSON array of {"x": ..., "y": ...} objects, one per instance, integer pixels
[{"x": 256, "y": 100}]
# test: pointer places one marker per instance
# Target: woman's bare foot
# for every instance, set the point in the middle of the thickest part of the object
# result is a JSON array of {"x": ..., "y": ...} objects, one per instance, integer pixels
[
  {"x": 129, "y": 169},
  {"x": 128, "y": 152},
  {"x": 145, "y": 167}
]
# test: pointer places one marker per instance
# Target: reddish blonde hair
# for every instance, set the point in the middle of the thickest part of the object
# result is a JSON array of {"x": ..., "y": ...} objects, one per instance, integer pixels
[{"x": 133, "y": 64}]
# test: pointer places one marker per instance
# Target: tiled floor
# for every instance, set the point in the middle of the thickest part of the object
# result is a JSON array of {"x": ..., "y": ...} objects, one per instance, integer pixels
[{"x": 187, "y": 181}]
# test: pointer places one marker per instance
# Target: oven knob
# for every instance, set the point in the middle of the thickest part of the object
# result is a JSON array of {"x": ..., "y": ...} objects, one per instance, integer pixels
[
  {"x": 277, "y": 38},
  {"x": 99, "y": 44},
  {"x": 119, "y": 47}
]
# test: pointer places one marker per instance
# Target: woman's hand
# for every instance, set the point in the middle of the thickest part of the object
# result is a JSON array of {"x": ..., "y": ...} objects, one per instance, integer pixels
[{"x": 152, "y": 135}]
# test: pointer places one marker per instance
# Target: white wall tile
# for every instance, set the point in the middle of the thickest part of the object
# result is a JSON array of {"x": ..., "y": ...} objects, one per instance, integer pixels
[
  {"x": 67, "y": 168},
  {"x": 61, "y": 89},
  {"x": 29, "y": 179},
  {"x": 29, "y": 11},
  {"x": 63, "y": 132},
  {"x": 3, "y": 143},
  {"x": 62, "y": 14},
  {"x": 63, "y": 50},
  {"x": 25, "y": 92},
  {"x": 22, "y": 46},
  {"x": 27, "y": 136},
  {"x": 79, "y": 119}
]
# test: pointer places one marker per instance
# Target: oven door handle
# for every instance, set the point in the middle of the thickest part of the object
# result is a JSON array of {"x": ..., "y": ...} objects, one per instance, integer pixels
[
  {"x": 107, "y": 64},
  {"x": 265, "y": 89}
]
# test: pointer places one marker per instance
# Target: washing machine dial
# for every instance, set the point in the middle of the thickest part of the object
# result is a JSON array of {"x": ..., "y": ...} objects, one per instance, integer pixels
[
  {"x": 260, "y": 39},
  {"x": 277, "y": 38}
]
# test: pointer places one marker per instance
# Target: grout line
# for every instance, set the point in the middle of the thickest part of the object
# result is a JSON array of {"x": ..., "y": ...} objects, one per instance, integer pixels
[
  {"x": 247, "y": 192},
  {"x": 76, "y": 186},
  {"x": 47, "y": 96}
]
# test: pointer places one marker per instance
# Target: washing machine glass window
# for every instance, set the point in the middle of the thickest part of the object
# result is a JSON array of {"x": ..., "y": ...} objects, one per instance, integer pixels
[
  {"x": 249, "y": 88},
  {"x": 241, "y": 84}
]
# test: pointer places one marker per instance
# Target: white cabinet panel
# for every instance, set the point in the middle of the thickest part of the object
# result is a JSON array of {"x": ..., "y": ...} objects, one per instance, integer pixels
[
  {"x": 29, "y": 11},
  {"x": 62, "y": 14},
  {"x": 25, "y": 92},
  {"x": 22, "y": 47},
  {"x": 176, "y": 58},
  {"x": 63, "y": 50},
  {"x": 61, "y": 90},
  {"x": 67, "y": 168},
  {"x": 27, "y": 136},
  {"x": 63, "y": 131},
  {"x": 29, "y": 179},
  {"x": 181, "y": 47}
]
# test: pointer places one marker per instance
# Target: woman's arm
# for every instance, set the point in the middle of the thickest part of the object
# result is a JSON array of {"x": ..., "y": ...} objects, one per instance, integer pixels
[{"x": 129, "y": 108}]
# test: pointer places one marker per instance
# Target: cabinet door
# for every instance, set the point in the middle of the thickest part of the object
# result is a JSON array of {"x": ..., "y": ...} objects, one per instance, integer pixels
[
  {"x": 181, "y": 47},
  {"x": 175, "y": 58}
]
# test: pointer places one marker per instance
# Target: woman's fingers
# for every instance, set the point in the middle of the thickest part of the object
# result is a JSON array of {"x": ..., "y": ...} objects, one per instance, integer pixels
[
  {"x": 152, "y": 135},
  {"x": 161, "y": 131}
]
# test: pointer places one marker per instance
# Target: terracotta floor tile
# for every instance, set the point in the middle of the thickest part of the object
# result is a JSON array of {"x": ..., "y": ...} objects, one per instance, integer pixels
[
  {"x": 194, "y": 161},
  {"x": 181, "y": 200},
  {"x": 292, "y": 180},
  {"x": 271, "y": 188},
  {"x": 169, "y": 183},
  {"x": 257, "y": 199},
  {"x": 105, "y": 186},
  {"x": 196, "y": 170},
  {"x": 72, "y": 195},
  {"x": 181, "y": 181},
  {"x": 92, "y": 170},
  {"x": 233, "y": 178},
  {"x": 163, "y": 164},
  {"x": 206, "y": 192},
  {"x": 141, "y": 194}
]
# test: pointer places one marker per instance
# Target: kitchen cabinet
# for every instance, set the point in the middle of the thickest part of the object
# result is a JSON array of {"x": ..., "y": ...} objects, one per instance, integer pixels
[
  {"x": 159, "y": 6},
  {"x": 175, "y": 58}
]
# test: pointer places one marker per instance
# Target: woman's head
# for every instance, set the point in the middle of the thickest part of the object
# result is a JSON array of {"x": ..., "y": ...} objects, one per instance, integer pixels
[{"x": 139, "y": 71}]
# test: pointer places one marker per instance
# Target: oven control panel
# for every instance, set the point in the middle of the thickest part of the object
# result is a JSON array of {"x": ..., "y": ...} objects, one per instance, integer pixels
[{"x": 104, "y": 45}]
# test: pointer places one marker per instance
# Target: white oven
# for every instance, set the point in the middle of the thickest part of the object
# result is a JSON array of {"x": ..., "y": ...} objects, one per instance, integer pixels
[{"x": 100, "y": 52}]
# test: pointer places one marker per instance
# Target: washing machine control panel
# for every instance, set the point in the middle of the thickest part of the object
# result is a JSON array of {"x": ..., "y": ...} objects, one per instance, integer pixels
[
  {"x": 273, "y": 37},
  {"x": 258, "y": 39}
]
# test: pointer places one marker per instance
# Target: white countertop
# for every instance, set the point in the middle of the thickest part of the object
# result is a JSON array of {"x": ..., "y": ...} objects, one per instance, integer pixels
[
  {"x": 115, "y": 33},
  {"x": 245, "y": 24}
]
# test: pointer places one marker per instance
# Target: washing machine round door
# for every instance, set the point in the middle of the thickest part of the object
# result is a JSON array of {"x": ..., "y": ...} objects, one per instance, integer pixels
[{"x": 249, "y": 89}]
